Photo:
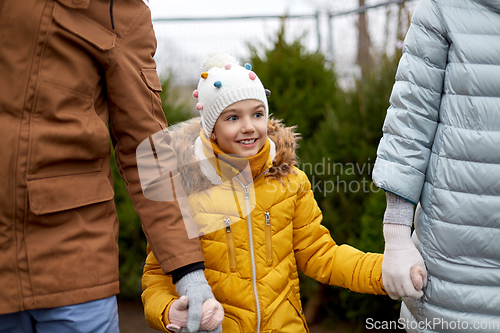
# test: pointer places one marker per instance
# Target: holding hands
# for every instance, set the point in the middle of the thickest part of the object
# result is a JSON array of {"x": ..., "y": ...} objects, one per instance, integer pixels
[
  {"x": 196, "y": 310},
  {"x": 211, "y": 317},
  {"x": 403, "y": 269}
]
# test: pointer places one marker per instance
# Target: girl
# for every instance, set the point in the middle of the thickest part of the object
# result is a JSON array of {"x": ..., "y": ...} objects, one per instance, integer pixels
[{"x": 251, "y": 258}]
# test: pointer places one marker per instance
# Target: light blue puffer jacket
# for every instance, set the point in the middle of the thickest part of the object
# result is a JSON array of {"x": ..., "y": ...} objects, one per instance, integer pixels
[{"x": 441, "y": 149}]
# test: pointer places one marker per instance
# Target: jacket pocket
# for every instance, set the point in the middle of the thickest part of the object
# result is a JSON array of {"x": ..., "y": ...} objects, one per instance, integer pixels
[
  {"x": 288, "y": 316},
  {"x": 231, "y": 324},
  {"x": 152, "y": 81},
  {"x": 50, "y": 195},
  {"x": 292, "y": 298},
  {"x": 84, "y": 28},
  {"x": 150, "y": 77},
  {"x": 66, "y": 134},
  {"x": 269, "y": 240},
  {"x": 231, "y": 250}
]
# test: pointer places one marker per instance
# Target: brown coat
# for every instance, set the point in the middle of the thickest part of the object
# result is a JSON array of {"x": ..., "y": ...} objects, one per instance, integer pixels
[{"x": 65, "y": 75}]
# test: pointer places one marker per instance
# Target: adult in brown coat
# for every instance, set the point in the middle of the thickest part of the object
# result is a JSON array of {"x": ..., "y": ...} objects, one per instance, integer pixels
[{"x": 72, "y": 74}]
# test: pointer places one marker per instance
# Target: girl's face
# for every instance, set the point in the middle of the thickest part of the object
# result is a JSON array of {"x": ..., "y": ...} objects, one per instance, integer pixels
[{"x": 241, "y": 128}]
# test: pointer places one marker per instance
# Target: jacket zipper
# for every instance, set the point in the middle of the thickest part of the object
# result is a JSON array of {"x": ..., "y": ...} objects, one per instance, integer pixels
[
  {"x": 230, "y": 246},
  {"x": 250, "y": 240},
  {"x": 269, "y": 240},
  {"x": 252, "y": 254}
]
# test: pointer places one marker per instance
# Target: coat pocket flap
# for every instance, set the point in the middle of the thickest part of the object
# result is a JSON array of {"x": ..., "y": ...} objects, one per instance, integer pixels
[
  {"x": 292, "y": 298},
  {"x": 75, "y": 3},
  {"x": 150, "y": 77},
  {"x": 56, "y": 194},
  {"x": 84, "y": 28}
]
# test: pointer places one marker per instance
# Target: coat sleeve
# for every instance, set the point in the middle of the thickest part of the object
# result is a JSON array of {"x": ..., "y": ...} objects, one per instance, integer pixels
[
  {"x": 158, "y": 293},
  {"x": 135, "y": 114},
  {"x": 319, "y": 257},
  {"x": 412, "y": 118}
]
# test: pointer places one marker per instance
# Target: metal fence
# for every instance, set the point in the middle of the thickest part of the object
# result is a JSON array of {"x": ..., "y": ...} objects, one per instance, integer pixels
[{"x": 184, "y": 42}]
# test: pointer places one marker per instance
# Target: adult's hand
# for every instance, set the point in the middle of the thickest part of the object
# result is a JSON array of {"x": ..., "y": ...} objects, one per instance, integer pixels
[
  {"x": 211, "y": 318},
  {"x": 194, "y": 285},
  {"x": 403, "y": 268}
]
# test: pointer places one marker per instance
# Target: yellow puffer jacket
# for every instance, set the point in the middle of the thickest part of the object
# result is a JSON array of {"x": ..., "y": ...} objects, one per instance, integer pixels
[{"x": 251, "y": 264}]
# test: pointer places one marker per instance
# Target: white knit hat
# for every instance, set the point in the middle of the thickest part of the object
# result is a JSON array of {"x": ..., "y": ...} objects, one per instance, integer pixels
[{"x": 225, "y": 82}]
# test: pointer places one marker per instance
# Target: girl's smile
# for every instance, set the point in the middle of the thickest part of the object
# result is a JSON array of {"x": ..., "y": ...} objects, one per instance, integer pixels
[
  {"x": 248, "y": 143},
  {"x": 241, "y": 128}
]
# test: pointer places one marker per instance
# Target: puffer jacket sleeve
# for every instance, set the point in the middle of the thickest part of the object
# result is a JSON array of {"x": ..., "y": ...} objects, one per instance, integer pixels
[
  {"x": 133, "y": 87},
  {"x": 158, "y": 293},
  {"x": 319, "y": 257},
  {"x": 411, "y": 122}
]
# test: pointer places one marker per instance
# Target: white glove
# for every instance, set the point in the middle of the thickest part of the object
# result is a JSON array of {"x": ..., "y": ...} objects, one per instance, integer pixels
[{"x": 403, "y": 268}]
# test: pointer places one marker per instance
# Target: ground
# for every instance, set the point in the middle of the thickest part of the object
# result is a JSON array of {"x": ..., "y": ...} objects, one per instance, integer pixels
[{"x": 131, "y": 317}]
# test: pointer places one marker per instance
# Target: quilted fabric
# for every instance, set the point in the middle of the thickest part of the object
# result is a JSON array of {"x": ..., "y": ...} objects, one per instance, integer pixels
[
  {"x": 440, "y": 148},
  {"x": 252, "y": 263}
]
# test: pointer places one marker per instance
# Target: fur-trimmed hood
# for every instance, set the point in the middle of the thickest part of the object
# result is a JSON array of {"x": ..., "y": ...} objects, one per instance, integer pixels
[{"x": 185, "y": 134}]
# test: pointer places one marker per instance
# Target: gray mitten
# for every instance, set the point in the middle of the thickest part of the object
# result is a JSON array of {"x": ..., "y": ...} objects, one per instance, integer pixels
[{"x": 194, "y": 285}]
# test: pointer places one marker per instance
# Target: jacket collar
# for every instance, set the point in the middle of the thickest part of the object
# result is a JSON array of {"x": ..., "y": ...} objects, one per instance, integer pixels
[{"x": 75, "y": 3}]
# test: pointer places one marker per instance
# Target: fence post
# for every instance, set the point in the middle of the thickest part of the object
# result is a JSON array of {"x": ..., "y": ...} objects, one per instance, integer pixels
[
  {"x": 318, "y": 31},
  {"x": 330, "y": 53}
]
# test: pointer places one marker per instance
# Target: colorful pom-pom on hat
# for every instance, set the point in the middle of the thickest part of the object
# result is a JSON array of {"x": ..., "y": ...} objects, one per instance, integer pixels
[{"x": 224, "y": 82}]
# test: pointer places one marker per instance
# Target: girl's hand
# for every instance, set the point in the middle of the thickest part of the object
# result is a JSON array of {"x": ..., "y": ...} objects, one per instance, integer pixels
[
  {"x": 211, "y": 320},
  {"x": 418, "y": 276}
]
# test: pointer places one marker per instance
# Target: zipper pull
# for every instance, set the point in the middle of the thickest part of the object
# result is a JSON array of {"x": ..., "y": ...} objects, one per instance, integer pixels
[
  {"x": 246, "y": 192},
  {"x": 268, "y": 218},
  {"x": 269, "y": 240},
  {"x": 228, "y": 228}
]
